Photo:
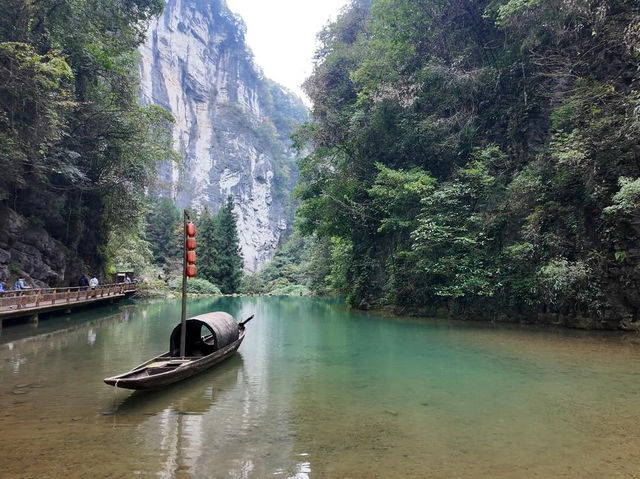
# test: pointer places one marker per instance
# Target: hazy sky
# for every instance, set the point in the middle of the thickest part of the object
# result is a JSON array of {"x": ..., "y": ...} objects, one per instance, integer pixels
[{"x": 282, "y": 35}]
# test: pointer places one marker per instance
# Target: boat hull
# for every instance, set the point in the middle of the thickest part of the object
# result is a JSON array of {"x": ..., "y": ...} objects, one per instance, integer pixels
[{"x": 164, "y": 370}]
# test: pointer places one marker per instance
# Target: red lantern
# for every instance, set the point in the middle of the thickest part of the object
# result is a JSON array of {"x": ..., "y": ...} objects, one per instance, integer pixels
[
  {"x": 190, "y": 229},
  {"x": 191, "y": 270}
]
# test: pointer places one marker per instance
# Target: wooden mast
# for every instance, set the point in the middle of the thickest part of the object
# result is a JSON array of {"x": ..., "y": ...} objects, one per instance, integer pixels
[{"x": 183, "y": 331}]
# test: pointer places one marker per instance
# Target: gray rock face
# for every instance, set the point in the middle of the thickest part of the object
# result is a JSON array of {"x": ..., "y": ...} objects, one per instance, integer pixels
[
  {"x": 232, "y": 125},
  {"x": 29, "y": 251}
]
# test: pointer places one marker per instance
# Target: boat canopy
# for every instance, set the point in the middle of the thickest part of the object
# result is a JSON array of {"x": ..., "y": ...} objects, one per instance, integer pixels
[{"x": 221, "y": 326}]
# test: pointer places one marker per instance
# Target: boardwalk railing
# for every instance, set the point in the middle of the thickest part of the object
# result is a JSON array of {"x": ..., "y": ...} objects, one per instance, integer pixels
[{"x": 36, "y": 298}]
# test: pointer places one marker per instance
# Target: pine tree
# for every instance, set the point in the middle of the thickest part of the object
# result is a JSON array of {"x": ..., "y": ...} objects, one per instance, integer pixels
[
  {"x": 228, "y": 270},
  {"x": 163, "y": 227},
  {"x": 207, "y": 254}
]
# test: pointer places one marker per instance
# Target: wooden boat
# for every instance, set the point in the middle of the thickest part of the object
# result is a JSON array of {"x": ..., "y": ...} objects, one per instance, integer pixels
[
  {"x": 222, "y": 337},
  {"x": 190, "y": 351}
]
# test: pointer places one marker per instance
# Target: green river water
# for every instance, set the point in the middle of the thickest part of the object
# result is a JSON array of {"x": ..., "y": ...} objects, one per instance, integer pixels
[{"x": 316, "y": 391}]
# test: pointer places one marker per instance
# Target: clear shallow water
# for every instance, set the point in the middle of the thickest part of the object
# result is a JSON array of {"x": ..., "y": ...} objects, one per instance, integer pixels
[{"x": 316, "y": 391}]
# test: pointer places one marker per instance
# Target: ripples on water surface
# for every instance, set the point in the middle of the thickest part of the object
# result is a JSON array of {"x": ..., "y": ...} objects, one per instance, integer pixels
[{"x": 316, "y": 391}]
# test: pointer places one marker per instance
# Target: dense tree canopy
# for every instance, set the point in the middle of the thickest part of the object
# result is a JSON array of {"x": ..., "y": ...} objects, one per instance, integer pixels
[
  {"x": 76, "y": 150},
  {"x": 219, "y": 258},
  {"x": 480, "y": 155}
]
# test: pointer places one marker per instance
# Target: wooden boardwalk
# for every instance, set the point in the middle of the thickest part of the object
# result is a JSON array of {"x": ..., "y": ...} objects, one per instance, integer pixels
[{"x": 31, "y": 302}]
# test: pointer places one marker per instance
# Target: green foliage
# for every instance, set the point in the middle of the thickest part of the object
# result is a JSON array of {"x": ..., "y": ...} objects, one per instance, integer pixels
[
  {"x": 77, "y": 150},
  {"x": 218, "y": 252},
  {"x": 626, "y": 202},
  {"x": 15, "y": 269},
  {"x": 164, "y": 233},
  {"x": 291, "y": 290},
  {"x": 341, "y": 253},
  {"x": 565, "y": 285},
  {"x": 206, "y": 251},
  {"x": 220, "y": 255},
  {"x": 479, "y": 156},
  {"x": 127, "y": 252},
  {"x": 397, "y": 195},
  {"x": 202, "y": 286},
  {"x": 512, "y": 8},
  {"x": 301, "y": 265},
  {"x": 316, "y": 265},
  {"x": 288, "y": 267},
  {"x": 251, "y": 284},
  {"x": 451, "y": 242},
  {"x": 194, "y": 286},
  {"x": 35, "y": 96}
]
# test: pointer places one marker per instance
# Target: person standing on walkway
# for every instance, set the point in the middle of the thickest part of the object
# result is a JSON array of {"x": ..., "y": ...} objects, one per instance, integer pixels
[
  {"x": 93, "y": 282},
  {"x": 84, "y": 282},
  {"x": 19, "y": 285}
]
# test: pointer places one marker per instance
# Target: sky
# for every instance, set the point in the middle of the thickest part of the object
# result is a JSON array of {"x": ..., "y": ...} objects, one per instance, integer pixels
[{"x": 282, "y": 35}]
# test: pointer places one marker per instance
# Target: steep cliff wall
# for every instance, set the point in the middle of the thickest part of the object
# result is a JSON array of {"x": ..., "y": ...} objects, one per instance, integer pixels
[
  {"x": 29, "y": 251},
  {"x": 232, "y": 125}
]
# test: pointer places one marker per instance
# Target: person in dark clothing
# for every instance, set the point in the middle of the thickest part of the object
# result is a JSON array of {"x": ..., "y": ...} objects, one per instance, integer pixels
[{"x": 84, "y": 282}]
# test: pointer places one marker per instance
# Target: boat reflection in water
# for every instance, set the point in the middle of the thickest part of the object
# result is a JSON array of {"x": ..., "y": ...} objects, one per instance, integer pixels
[
  {"x": 207, "y": 424},
  {"x": 194, "y": 396},
  {"x": 177, "y": 421}
]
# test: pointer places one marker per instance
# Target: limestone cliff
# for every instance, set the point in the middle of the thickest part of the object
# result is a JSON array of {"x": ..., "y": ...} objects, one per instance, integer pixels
[
  {"x": 29, "y": 251},
  {"x": 232, "y": 125}
]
